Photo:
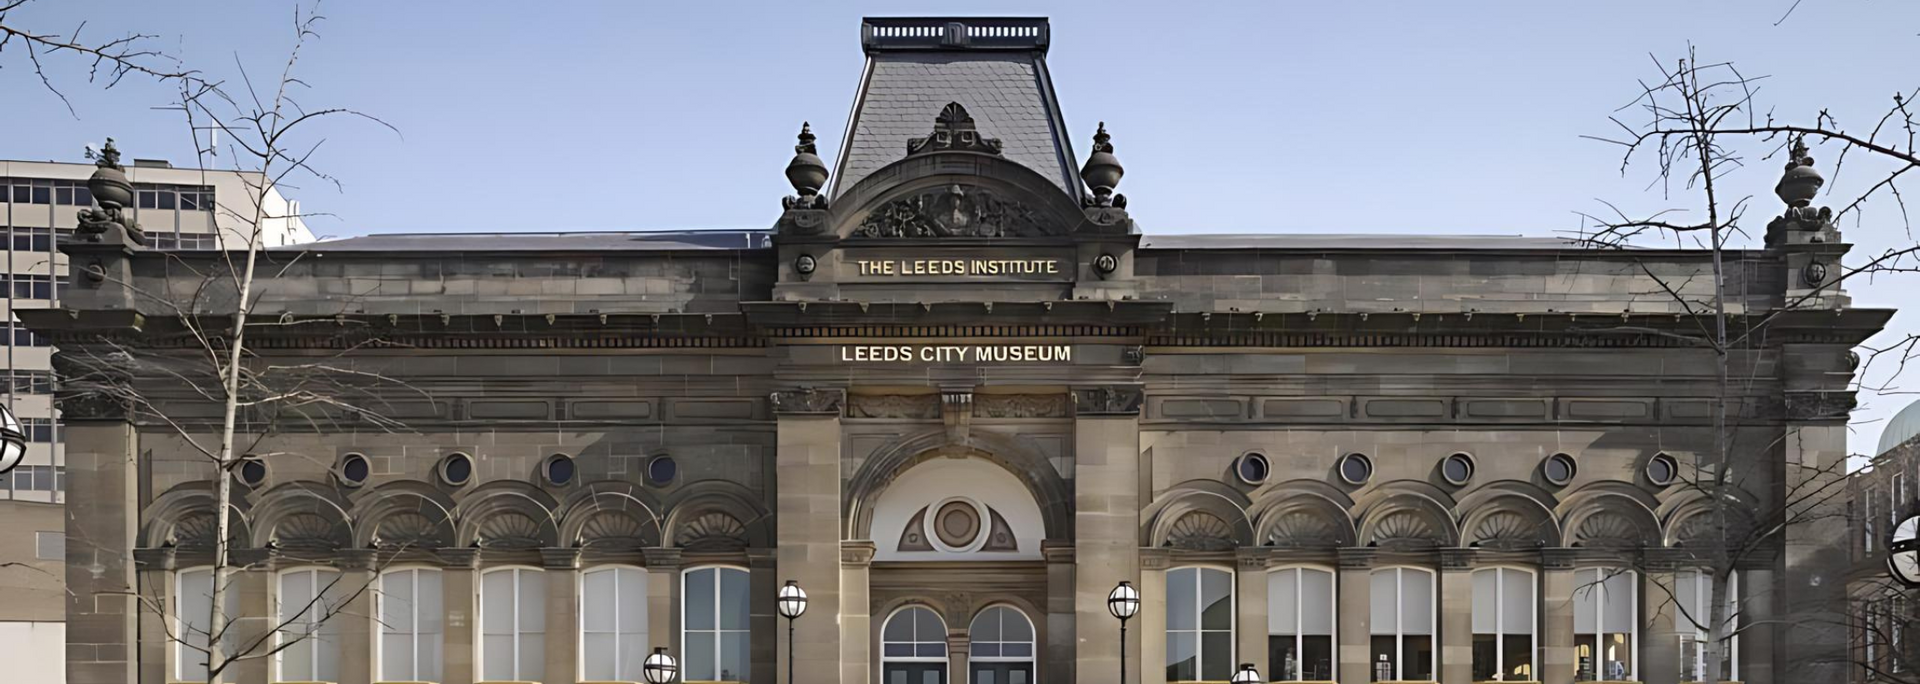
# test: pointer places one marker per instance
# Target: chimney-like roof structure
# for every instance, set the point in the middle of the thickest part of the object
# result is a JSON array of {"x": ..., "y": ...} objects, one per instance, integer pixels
[{"x": 995, "y": 67}]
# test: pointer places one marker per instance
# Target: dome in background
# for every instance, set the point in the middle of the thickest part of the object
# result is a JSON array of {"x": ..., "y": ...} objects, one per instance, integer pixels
[{"x": 1904, "y": 426}]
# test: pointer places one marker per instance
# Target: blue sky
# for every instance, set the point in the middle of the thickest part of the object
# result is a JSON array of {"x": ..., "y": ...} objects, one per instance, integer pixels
[{"x": 1354, "y": 117}]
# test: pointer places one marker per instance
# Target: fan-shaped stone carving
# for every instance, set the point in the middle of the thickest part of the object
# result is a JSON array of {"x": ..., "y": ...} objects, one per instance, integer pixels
[
  {"x": 1201, "y": 531},
  {"x": 914, "y": 538},
  {"x": 1507, "y": 530},
  {"x": 408, "y": 531},
  {"x": 1302, "y": 529},
  {"x": 195, "y": 531},
  {"x": 1406, "y": 528},
  {"x": 1710, "y": 528},
  {"x": 712, "y": 532},
  {"x": 508, "y": 530},
  {"x": 1607, "y": 529},
  {"x": 612, "y": 529},
  {"x": 1000, "y": 535},
  {"x": 308, "y": 532}
]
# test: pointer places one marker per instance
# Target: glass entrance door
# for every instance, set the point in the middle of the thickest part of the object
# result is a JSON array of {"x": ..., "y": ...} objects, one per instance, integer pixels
[
  {"x": 1001, "y": 673},
  {"x": 916, "y": 673}
]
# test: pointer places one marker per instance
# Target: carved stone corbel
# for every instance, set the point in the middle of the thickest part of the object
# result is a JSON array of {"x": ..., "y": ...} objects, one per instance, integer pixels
[
  {"x": 956, "y": 410},
  {"x": 1108, "y": 400},
  {"x": 809, "y": 401}
]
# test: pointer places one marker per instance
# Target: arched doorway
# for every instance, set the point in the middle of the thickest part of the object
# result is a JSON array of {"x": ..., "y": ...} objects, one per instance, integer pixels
[
  {"x": 1002, "y": 651},
  {"x": 913, "y": 647}
]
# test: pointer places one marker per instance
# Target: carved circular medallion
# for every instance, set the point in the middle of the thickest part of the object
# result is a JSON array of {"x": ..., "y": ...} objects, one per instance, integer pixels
[
  {"x": 805, "y": 264},
  {"x": 1106, "y": 264},
  {"x": 956, "y": 526},
  {"x": 1815, "y": 274}
]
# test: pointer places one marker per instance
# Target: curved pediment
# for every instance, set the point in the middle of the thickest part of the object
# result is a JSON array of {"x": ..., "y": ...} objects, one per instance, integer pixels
[{"x": 955, "y": 194}]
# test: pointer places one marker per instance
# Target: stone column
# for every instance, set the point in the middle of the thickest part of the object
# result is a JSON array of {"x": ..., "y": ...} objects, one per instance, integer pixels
[
  {"x": 1660, "y": 647},
  {"x": 103, "y": 492},
  {"x": 358, "y": 621},
  {"x": 562, "y": 568},
  {"x": 1757, "y": 626},
  {"x": 767, "y": 660},
  {"x": 156, "y": 584},
  {"x": 807, "y": 524},
  {"x": 1147, "y": 631},
  {"x": 1106, "y": 514},
  {"x": 1250, "y": 628},
  {"x": 856, "y": 618},
  {"x": 663, "y": 600},
  {"x": 461, "y": 630},
  {"x": 959, "y": 646},
  {"x": 1056, "y": 655},
  {"x": 1454, "y": 651},
  {"x": 1558, "y": 660},
  {"x": 253, "y": 615},
  {"x": 1356, "y": 614}
]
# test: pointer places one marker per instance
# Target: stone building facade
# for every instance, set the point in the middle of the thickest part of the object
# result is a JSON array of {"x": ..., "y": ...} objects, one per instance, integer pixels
[{"x": 958, "y": 396}]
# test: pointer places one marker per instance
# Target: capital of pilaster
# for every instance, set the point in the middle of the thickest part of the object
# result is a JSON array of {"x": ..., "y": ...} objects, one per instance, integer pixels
[
  {"x": 661, "y": 558},
  {"x": 1057, "y": 552},
  {"x": 458, "y": 557},
  {"x": 560, "y": 558},
  {"x": 856, "y": 552},
  {"x": 1155, "y": 559}
]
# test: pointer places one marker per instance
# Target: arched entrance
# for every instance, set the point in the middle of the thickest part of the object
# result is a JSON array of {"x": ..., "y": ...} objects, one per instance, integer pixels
[
  {"x": 913, "y": 647},
  {"x": 1002, "y": 651}
]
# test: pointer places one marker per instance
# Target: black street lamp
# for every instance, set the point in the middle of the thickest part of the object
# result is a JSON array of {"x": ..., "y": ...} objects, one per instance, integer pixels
[
  {"x": 660, "y": 668},
  {"x": 1246, "y": 675},
  {"x": 1123, "y": 602},
  {"x": 1903, "y": 552},
  {"x": 13, "y": 441},
  {"x": 792, "y": 604}
]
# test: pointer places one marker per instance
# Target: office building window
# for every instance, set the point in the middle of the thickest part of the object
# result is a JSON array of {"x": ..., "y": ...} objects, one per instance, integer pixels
[
  {"x": 31, "y": 239},
  {"x": 1402, "y": 623},
  {"x": 38, "y": 478},
  {"x": 1300, "y": 615},
  {"x": 183, "y": 240},
  {"x": 186, "y": 198},
  {"x": 1693, "y": 594},
  {"x": 39, "y": 430},
  {"x": 410, "y": 632},
  {"x": 1503, "y": 619},
  {"x": 613, "y": 624},
  {"x": 193, "y": 622},
  {"x": 22, "y": 337},
  {"x": 1606, "y": 615},
  {"x": 714, "y": 604},
  {"x": 306, "y": 605},
  {"x": 513, "y": 624},
  {"x": 1199, "y": 624},
  {"x": 30, "y": 382},
  {"x": 28, "y": 286}
]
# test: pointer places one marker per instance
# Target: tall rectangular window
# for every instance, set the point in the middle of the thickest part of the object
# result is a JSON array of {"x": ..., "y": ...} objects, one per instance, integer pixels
[
  {"x": 715, "y": 610},
  {"x": 193, "y": 623},
  {"x": 410, "y": 625},
  {"x": 1693, "y": 592},
  {"x": 1402, "y": 624},
  {"x": 307, "y": 608},
  {"x": 1199, "y": 625},
  {"x": 613, "y": 624},
  {"x": 1300, "y": 615},
  {"x": 1606, "y": 615},
  {"x": 513, "y": 624},
  {"x": 1503, "y": 618}
]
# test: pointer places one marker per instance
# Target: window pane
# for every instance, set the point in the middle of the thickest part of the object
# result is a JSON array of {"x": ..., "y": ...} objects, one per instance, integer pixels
[
  {"x": 927, "y": 626},
  {"x": 1416, "y": 601},
  {"x": 1216, "y": 656},
  {"x": 532, "y": 611},
  {"x": 396, "y": 657},
  {"x": 597, "y": 656},
  {"x": 1316, "y": 602},
  {"x": 533, "y": 657},
  {"x": 1183, "y": 653},
  {"x": 1216, "y": 598},
  {"x": 1586, "y": 599},
  {"x": 700, "y": 657},
  {"x": 1517, "y": 657},
  {"x": 1621, "y": 596},
  {"x": 1686, "y": 594},
  {"x": 1282, "y": 604},
  {"x": 1384, "y": 596},
  {"x": 697, "y": 597},
  {"x": 1019, "y": 650},
  {"x": 1383, "y": 658},
  {"x": 1316, "y": 663},
  {"x": 1182, "y": 611},
  {"x": 899, "y": 627},
  {"x": 1014, "y": 625},
  {"x": 633, "y": 657},
  {"x": 735, "y": 599},
  {"x": 1486, "y": 599},
  {"x": 633, "y": 602},
  {"x": 597, "y": 590},
  {"x": 1616, "y": 655},
  {"x": 733, "y": 657},
  {"x": 1283, "y": 658},
  {"x": 166, "y": 199},
  {"x": 1419, "y": 655},
  {"x": 496, "y": 660},
  {"x": 496, "y": 608},
  {"x": 1516, "y": 602}
]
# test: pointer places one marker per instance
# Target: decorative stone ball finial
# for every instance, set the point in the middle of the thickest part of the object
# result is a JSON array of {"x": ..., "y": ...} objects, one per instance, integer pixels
[
  {"x": 1102, "y": 171},
  {"x": 1801, "y": 182},
  {"x": 806, "y": 172},
  {"x": 113, "y": 193}
]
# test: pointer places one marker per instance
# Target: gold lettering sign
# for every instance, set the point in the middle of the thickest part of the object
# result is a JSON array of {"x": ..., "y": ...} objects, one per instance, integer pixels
[
  {"x": 957, "y": 267},
  {"x": 955, "y": 353}
]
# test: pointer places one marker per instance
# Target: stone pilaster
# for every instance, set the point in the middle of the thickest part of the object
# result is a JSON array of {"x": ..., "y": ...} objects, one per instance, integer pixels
[
  {"x": 856, "y": 613},
  {"x": 1250, "y": 593},
  {"x": 1147, "y": 632},
  {"x": 1757, "y": 622},
  {"x": 460, "y": 633},
  {"x": 1557, "y": 584},
  {"x": 807, "y": 522},
  {"x": 562, "y": 568},
  {"x": 763, "y": 580},
  {"x": 1057, "y": 655},
  {"x": 1356, "y": 613},
  {"x": 358, "y": 621},
  {"x": 1106, "y": 510},
  {"x": 156, "y": 586},
  {"x": 663, "y": 600},
  {"x": 102, "y": 608},
  {"x": 1454, "y": 642},
  {"x": 253, "y": 616},
  {"x": 1660, "y": 648}
]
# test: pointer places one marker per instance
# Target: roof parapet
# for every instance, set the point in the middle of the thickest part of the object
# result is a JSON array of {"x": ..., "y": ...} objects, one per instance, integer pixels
[{"x": 954, "y": 33}]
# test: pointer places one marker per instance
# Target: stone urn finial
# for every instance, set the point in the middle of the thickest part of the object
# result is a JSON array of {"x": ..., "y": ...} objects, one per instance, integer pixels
[
  {"x": 113, "y": 193},
  {"x": 1801, "y": 182},
  {"x": 1103, "y": 171},
  {"x": 806, "y": 172}
]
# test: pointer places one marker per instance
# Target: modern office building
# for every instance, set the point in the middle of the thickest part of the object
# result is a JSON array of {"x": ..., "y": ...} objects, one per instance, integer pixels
[
  {"x": 1879, "y": 497},
  {"x": 39, "y": 205},
  {"x": 958, "y": 396}
]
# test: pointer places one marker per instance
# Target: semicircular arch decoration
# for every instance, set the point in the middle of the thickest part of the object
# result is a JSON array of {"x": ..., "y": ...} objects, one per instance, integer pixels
[
  {"x": 1303, "y": 515},
  {"x": 1611, "y": 515},
  {"x": 1198, "y": 515},
  {"x": 711, "y": 531},
  {"x": 1018, "y": 456},
  {"x": 404, "y": 516},
  {"x": 611, "y": 516},
  {"x": 1509, "y": 515},
  {"x": 302, "y": 518},
  {"x": 183, "y": 518},
  {"x": 716, "y": 515},
  {"x": 1406, "y": 516}
]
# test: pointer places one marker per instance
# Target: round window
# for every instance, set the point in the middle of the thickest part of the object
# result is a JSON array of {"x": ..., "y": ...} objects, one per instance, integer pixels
[
  {"x": 1356, "y": 468},
  {"x": 956, "y": 525},
  {"x": 1559, "y": 469},
  {"x": 1662, "y": 469},
  {"x": 253, "y": 471},
  {"x": 661, "y": 470},
  {"x": 353, "y": 469},
  {"x": 1253, "y": 468},
  {"x": 558, "y": 470},
  {"x": 1457, "y": 468},
  {"x": 456, "y": 469}
]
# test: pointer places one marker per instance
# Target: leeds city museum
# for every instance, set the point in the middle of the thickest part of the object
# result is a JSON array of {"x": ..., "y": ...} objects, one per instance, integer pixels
[{"x": 958, "y": 397}]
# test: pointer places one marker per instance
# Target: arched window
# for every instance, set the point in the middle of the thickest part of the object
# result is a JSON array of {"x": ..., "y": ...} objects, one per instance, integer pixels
[
  {"x": 1300, "y": 625},
  {"x": 307, "y": 604},
  {"x": 513, "y": 624},
  {"x": 613, "y": 624},
  {"x": 1402, "y": 621},
  {"x": 1606, "y": 619},
  {"x": 714, "y": 613},
  {"x": 192, "y": 622},
  {"x": 1002, "y": 650},
  {"x": 1504, "y": 603},
  {"x": 1693, "y": 594},
  {"x": 1199, "y": 624},
  {"x": 913, "y": 647},
  {"x": 410, "y": 625}
]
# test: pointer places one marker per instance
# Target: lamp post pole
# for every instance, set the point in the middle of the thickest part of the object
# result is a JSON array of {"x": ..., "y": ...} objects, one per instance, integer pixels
[
  {"x": 1123, "y": 602},
  {"x": 792, "y": 604}
]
